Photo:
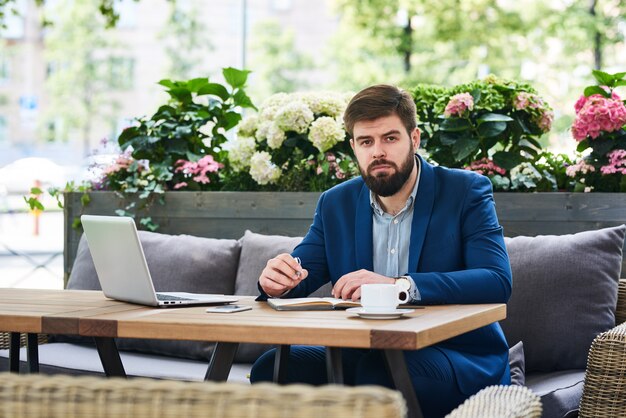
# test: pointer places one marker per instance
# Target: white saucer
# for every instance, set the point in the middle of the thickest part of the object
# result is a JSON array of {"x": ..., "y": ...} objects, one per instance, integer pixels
[{"x": 396, "y": 313}]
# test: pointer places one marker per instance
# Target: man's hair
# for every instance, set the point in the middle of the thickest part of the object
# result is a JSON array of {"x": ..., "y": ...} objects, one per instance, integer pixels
[{"x": 378, "y": 101}]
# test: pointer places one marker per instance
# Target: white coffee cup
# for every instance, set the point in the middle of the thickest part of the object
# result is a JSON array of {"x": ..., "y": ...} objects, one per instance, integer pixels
[{"x": 382, "y": 297}]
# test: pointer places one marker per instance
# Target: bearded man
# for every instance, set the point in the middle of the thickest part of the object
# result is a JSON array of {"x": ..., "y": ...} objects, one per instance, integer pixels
[{"x": 431, "y": 228}]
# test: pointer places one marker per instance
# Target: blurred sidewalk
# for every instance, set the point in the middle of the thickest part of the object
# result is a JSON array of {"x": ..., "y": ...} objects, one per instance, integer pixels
[{"x": 30, "y": 261}]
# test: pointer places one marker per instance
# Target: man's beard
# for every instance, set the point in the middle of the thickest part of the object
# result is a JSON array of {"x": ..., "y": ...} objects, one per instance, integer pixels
[{"x": 388, "y": 184}]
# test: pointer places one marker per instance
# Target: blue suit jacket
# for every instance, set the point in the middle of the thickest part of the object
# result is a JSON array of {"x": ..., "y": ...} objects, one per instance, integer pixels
[{"x": 457, "y": 255}]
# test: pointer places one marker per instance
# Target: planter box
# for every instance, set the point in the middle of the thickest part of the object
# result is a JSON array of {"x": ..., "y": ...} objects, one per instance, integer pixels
[{"x": 229, "y": 214}]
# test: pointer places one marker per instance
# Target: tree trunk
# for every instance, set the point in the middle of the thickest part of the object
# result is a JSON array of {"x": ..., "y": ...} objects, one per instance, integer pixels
[
  {"x": 408, "y": 45},
  {"x": 597, "y": 38}
]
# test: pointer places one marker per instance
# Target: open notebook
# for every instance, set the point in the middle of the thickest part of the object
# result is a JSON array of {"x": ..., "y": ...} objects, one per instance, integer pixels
[{"x": 311, "y": 304}]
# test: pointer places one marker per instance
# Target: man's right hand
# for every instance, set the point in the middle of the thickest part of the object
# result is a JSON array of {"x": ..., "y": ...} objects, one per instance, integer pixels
[{"x": 281, "y": 274}]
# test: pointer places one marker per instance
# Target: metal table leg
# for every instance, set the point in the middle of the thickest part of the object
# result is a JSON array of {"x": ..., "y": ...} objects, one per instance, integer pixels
[
  {"x": 281, "y": 362},
  {"x": 110, "y": 357},
  {"x": 334, "y": 367},
  {"x": 396, "y": 366},
  {"x": 14, "y": 352},
  {"x": 32, "y": 347},
  {"x": 221, "y": 362}
]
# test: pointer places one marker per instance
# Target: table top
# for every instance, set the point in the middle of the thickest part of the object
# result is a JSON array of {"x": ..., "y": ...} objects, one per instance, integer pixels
[{"x": 89, "y": 313}]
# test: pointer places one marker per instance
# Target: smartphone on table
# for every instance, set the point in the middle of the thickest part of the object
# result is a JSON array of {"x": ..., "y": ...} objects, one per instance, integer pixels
[{"x": 228, "y": 308}]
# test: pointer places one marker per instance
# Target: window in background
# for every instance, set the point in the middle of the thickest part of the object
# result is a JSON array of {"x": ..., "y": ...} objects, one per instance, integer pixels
[{"x": 122, "y": 73}]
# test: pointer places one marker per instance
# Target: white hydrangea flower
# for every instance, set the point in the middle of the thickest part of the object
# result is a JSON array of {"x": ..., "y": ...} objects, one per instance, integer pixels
[
  {"x": 294, "y": 116},
  {"x": 241, "y": 151},
  {"x": 525, "y": 169},
  {"x": 330, "y": 104},
  {"x": 262, "y": 130},
  {"x": 275, "y": 136},
  {"x": 248, "y": 126},
  {"x": 262, "y": 170},
  {"x": 325, "y": 132},
  {"x": 276, "y": 100}
]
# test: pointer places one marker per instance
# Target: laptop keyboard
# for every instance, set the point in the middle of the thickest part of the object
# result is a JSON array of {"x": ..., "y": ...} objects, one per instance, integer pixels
[{"x": 161, "y": 296}]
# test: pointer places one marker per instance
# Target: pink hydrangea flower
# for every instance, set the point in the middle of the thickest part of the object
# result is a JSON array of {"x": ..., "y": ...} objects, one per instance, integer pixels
[
  {"x": 596, "y": 115},
  {"x": 582, "y": 100},
  {"x": 617, "y": 163},
  {"x": 180, "y": 185},
  {"x": 545, "y": 121},
  {"x": 199, "y": 169},
  {"x": 486, "y": 167},
  {"x": 580, "y": 167},
  {"x": 527, "y": 100},
  {"x": 459, "y": 104}
]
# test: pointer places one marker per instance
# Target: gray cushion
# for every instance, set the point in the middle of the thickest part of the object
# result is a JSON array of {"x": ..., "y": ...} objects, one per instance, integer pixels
[
  {"x": 564, "y": 295},
  {"x": 560, "y": 392},
  {"x": 516, "y": 364},
  {"x": 177, "y": 263},
  {"x": 256, "y": 250}
]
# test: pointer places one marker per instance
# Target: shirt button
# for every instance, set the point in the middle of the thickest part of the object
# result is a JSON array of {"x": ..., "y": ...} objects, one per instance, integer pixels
[
  {"x": 395, "y": 221},
  {"x": 393, "y": 251}
]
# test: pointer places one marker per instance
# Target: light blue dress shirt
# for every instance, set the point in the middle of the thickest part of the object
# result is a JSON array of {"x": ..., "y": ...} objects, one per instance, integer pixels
[{"x": 392, "y": 237}]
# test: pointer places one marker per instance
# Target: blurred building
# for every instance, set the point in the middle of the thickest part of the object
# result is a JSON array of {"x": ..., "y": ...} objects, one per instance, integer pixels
[{"x": 136, "y": 63}]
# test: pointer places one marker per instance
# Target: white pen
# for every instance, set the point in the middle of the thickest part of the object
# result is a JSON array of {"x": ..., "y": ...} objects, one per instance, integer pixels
[{"x": 298, "y": 273}]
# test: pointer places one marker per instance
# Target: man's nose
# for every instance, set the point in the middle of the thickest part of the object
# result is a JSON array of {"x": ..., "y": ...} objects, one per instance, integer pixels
[{"x": 378, "y": 151}]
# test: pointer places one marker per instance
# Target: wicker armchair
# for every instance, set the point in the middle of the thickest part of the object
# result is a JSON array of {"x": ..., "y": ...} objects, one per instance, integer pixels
[
  {"x": 500, "y": 402},
  {"x": 31, "y": 396}
]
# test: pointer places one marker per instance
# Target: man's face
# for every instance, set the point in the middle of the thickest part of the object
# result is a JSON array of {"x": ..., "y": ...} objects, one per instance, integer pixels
[{"x": 385, "y": 153}]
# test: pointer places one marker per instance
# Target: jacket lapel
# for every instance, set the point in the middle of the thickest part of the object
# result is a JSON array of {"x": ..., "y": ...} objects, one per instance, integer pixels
[
  {"x": 421, "y": 212},
  {"x": 363, "y": 232}
]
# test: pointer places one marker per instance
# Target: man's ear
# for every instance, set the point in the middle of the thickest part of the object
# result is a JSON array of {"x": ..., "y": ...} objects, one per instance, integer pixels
[
  {"x": 352, "y": 144},
  {"x": 415, "y": 139}
]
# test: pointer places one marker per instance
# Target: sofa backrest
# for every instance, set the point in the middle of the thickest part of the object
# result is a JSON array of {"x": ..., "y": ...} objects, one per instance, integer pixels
[{"x": 565, "y": 292}]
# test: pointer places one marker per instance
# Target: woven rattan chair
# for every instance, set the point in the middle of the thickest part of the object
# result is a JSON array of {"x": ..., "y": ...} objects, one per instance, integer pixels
[
  {"x": 500, "y": 402},
  {"x": 32, "y": 396}
]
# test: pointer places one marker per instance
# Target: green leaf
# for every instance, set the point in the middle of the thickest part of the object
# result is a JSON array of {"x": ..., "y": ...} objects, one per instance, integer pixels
[
  {"x": 507, "y": 160},
  {"x": 35, "y": 191},
  {"x": 126, "y": 135},
  {"x": 448, "y": 138},
  {"x": 603, "y": 78},
  {"x": 214, "y": 89},
  {"x": 234, "y": 77},
  {"x": 582, "y": 145},
  {"x": 464, "y": 147},
  {"x": 596, "y": 90},
  {"x": 476, "y": 95},
  {"x": 231, "y": 119},
  {"x": 493, "y": 117},
  {"x": 455, "y": 125},
  {"x": 619, "y": 83},
  {"x": 85, "y": 199},
  {"x": 168, "y": 83},
  {"x": 196, "y": 83},
  {"x": 33, "y": 203},
  {"x": 491, "y": 129},
  {"x": 242, "y": 99},
  {"x": 180, "y": 94},
  {"x": 76, "y": 223},
  {"x": 618, "y": 76}
]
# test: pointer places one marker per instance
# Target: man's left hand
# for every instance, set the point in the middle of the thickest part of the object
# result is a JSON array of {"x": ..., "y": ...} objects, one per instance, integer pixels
[{"x": 349, "y": 285}]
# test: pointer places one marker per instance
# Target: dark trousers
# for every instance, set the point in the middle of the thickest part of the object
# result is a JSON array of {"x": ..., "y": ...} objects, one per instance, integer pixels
[{"x": 430, "y": 370}]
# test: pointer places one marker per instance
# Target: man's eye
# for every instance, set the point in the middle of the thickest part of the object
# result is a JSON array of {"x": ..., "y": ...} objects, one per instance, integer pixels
[
  {"x": 366, "y": 142},
  {"x": 391, "y": 138}
]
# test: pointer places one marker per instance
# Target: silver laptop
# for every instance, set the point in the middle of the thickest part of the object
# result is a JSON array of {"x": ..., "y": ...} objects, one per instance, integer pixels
[{"x": 122, "y": 268}]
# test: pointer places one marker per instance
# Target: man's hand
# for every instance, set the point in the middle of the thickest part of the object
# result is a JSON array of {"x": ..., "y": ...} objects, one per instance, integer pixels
[
  {"x": 281, "y": 274},
  {"x": 349, "y": 285}
]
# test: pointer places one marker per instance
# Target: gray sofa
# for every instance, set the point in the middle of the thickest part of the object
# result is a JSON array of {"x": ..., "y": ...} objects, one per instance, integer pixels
[{"x": 564, "y": 294}]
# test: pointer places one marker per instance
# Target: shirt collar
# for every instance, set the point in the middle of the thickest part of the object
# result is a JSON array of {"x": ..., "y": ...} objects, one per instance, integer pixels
[{"x": 376, "y": 206}]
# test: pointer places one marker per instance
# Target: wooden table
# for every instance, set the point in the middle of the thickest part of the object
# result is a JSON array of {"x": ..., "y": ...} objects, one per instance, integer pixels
[{"x": 89, "y": 313}]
